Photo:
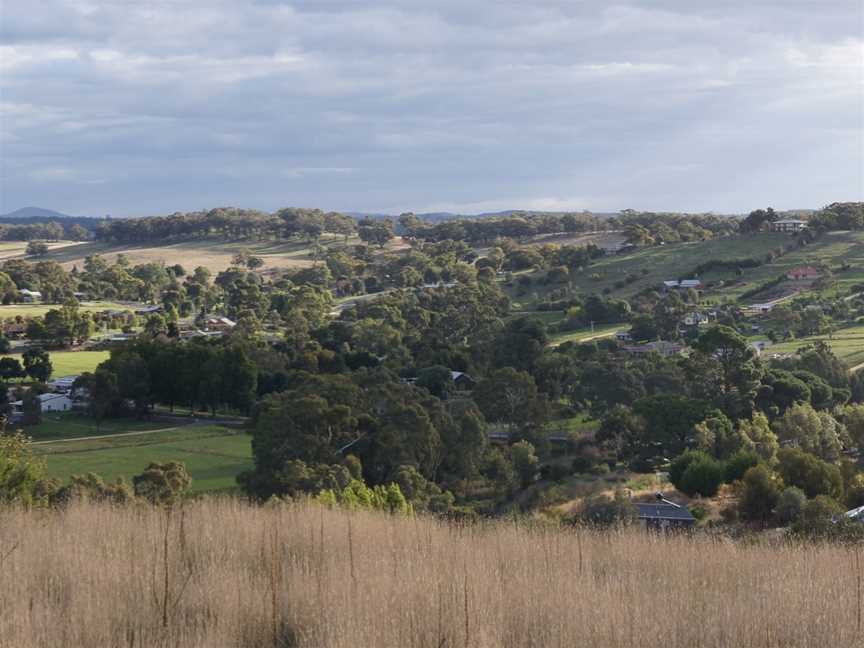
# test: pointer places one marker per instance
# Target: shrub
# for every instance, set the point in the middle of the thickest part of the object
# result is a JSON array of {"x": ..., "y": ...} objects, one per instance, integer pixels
[
  {"x": 739, "y": 463},
  {"x": 812, "y": 475},
  {"x": 602, "y": 510},
  {"x": 790, "y": 505},
  {"x": 760, "y": 493},
  {"x": 162, "y": 483},
  {"x": 682, "y": 462},
  {"x": 818, "y": 516},
  {"x": 702, "y": 477}
]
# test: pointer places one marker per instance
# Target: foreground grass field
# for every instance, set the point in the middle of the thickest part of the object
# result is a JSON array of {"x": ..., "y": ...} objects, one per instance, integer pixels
[
  {"x": 213, "y": 455},
  {"x": 70, "y": 363},
  {"x": 224, "y": 574}
]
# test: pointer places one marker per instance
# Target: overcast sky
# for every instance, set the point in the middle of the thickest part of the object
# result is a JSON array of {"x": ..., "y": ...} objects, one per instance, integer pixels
[{"x": 155, "y": 106}]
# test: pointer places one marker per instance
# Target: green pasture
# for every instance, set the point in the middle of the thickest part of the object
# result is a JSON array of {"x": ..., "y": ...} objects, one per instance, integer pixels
[
  {"x": 847, "y": 344},
  {"x": 70, "y": 363},
  {"x": 649, "y": 267},
  {"x": 37, "y": 310},
  {"x": 70, "y": 425},
  {"x": 214, "y": 455}
]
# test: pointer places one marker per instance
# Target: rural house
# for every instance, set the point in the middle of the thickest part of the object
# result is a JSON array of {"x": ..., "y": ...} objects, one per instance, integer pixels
[
  {"x": 788, "y": 225},
  {"x": 62, "y": 385},
  {"x": 804, "y": 272},
  {"x": 695, "y": 319},
  {"x": 462, "y": 381},
  {"x": 682, "y": 284},
  {"x": 661, "y": 347},
  {"x": 148, "y": 310},
  {"x": 663, "y": 514},
  {"x": 48, "y": 403},
  {"x": 220, "y": 323},
  {"x": 29, "y": 296}
]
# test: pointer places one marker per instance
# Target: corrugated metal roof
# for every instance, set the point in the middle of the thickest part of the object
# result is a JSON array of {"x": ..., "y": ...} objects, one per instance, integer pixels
[{"x": 660, "y": 511}]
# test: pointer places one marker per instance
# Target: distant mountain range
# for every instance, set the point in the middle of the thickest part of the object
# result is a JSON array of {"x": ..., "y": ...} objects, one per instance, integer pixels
[{"x": 30, "y": 213}]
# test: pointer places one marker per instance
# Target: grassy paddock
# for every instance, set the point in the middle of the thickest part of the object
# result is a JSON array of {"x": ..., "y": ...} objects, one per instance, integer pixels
[
  {"x": 213, "y": 455},
  {"x": 213, "y": 254},
  {"x": 38, "y": 310},
  {"x": 651, "y": 266},
  {"x": 71, "y": 425},
  {"x": 586, "y": 334},
  {"x": 847, "y": 344},
  {"x": 238, "y": 576},
  {"x": 69, "y": 363}
]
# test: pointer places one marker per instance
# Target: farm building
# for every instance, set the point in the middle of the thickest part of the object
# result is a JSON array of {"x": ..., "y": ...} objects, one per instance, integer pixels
[
  {"x": 463, "y": 381},
  {"x": 804, "y": 272},
  {"x": 856, "y": 514},
  {"x": 682, "y": 284},
  {"x": 220, "y": 323},
  {"x": 148, "y": 310},
  {"x": 695, "y": 319},
  {"x": 661, "y": 347},
  {"x": 788, "y": 225},
  {"x": 29, "y": 296},
  {"x": 48, "y": 403},
  {"x": 63, "y": 385},
  {"x": 663, "y": 514}
]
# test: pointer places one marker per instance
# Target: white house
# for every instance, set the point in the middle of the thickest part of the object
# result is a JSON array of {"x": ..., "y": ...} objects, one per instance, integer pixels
[
  {"x": 29, "y": 296},
  {"x": 788, "y": 225},
  {"x": 695, "y": 319},
  {"x": 220, "y": 323},
  {"x": 683, "y": 284},
  {"x": 62, "y": 385},
  {"x": 48, "y": 403}
]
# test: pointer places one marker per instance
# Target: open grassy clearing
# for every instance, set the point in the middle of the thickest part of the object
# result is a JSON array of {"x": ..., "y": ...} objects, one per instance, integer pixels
[
  {"x": 212, "y": 254},
  {"x": 68, "y": 363},
  {"x": 847, "y": 344},
  {"x": 71, "y": 425},
  {"x": 17, "y": 249},
  {"x": 242, "y": 576},
  {"x": 214, "y": 455},
  {"x": 649, "y": 267},
  {"x": 587, "y": 334},
  {"x": 38, "y": 310}
]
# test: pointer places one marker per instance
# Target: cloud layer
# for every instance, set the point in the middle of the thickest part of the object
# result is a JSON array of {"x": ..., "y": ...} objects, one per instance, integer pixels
[{"x": 161, "y": 105}]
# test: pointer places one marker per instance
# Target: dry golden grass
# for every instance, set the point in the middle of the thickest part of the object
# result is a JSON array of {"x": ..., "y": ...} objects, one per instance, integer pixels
[{"x": 239, "y": 576}]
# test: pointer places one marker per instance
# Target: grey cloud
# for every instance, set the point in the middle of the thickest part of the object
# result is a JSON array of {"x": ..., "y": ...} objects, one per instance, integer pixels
[{"x": 165, "y": 105}]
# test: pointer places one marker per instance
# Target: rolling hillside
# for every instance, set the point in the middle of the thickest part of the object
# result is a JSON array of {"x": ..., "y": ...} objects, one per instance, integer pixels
[{"x": 651, "y": 266}]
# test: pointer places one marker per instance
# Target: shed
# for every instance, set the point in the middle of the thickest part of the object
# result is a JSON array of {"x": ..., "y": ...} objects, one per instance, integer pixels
[
  {"x": 29, "y": 296},
  {"x": 663, "y": 514},
  {"x": 463, "y": 381}
]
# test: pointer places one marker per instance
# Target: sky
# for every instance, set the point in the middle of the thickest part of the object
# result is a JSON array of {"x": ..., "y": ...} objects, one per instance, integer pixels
[{"x": 156, "y": 106}]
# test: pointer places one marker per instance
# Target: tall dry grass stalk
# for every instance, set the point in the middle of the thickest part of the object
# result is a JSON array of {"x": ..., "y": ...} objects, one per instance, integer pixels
[{"x": 231, "y": 575}]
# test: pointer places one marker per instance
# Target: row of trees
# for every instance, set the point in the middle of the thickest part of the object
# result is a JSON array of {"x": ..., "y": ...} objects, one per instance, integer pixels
[{"x": 227, "y": 222}]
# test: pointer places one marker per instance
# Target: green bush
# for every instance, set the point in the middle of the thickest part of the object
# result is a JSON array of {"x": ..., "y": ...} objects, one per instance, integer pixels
[
  {"x": 739, "y": 463},
  {"x": 702, "y": 477},
  {"x": 790, "y": 505},
  {"x": 809, "y": 473},
  {"x": 760, "y": 493},
  {"x": 601, "y": 510},
  {"x": 819, "y": 517}
]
